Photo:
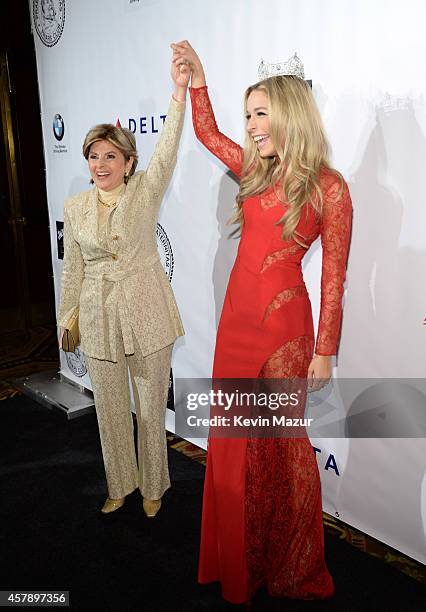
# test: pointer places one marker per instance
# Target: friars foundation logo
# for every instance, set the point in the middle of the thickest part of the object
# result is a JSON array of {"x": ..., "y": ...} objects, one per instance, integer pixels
[
  {"x": 165, "y": 250},
  {"x": 49, "y": 20},
  {"x": 77, "y": 363},
  {"x": 58, "y": 127}
]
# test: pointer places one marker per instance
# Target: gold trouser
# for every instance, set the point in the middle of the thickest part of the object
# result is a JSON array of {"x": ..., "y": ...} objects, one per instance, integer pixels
[{"x": 150, "y": 382}]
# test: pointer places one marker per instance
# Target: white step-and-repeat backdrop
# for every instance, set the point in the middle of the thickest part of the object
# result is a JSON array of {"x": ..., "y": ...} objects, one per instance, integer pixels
[{"x": 105, "y": 60}]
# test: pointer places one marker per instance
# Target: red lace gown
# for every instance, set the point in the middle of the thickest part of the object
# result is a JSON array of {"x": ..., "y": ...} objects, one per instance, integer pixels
[{"x": 262, "y": 512}]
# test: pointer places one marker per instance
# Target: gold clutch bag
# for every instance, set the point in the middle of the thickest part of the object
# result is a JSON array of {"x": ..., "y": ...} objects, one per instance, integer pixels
[{"x": 71, "y": 337}]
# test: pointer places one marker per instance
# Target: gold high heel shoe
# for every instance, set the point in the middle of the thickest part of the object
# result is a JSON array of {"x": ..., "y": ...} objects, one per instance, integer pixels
[
  {"x": 151, "y": 507},
  {"x": 112, "y": 504}
]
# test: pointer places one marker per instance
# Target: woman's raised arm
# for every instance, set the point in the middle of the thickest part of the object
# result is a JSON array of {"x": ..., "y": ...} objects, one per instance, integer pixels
[
  {"x": 163, "y": 160},
  {"x": 203, "y": 119}
]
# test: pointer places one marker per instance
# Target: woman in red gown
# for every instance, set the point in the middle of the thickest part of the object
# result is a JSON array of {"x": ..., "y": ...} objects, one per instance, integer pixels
[{"x": 262, "y": 512}]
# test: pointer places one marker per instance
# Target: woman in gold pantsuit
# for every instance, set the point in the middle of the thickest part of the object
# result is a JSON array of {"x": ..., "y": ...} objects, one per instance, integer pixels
[{"x": 127, "y": 312}]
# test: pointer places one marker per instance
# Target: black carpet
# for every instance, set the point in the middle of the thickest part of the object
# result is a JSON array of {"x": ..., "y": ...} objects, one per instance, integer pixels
[{"x": 53, "y": 536}]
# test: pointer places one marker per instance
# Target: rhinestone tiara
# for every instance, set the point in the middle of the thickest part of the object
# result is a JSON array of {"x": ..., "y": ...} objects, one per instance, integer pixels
[{"x": 292, "y": 66}]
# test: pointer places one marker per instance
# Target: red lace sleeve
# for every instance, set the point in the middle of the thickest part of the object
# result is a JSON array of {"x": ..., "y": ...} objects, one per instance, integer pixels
[
  {"x": 336, "y": 224},
  {"x": 207, "y": 132}
]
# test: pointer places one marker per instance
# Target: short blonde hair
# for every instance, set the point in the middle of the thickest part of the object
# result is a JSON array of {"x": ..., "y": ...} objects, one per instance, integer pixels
[{"x": 122, "y": 138}]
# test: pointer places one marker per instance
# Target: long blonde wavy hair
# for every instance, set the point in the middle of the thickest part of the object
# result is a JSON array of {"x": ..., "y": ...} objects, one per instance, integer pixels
[{"x": 297, "y": 133}]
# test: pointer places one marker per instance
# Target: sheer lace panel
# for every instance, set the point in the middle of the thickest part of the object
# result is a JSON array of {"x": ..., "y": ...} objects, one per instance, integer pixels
[
  {"x": 284, "y": 297},
  {"x": 280, "y": 255},
  {"x": 292, "y": 359},
  {"x": 283, "y": 512},
  {"x": 207, "y": 132},
  {"x": 283, "y": 520},
  {"x": 271, "y": 198},
  {"x": 335, "y": 235},
  {"x": 275, "y": 196}
]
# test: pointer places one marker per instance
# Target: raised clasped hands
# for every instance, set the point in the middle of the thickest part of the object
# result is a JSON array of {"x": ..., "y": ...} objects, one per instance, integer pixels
[
  {"x": 184, "y": 55},
  {"x": 180, "y": 74},
  {"x": 319, "y": 372}
]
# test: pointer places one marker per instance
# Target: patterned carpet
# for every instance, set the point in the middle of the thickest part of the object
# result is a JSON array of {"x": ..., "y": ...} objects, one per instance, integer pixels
[{"x": 24, "y": 355}]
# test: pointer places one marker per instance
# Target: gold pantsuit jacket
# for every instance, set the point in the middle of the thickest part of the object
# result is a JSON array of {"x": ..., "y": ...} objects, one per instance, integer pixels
[{"x": 116, "y": 277}]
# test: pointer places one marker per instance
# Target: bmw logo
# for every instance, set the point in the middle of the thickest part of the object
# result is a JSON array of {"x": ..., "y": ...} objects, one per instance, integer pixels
[{"x": 58, "y": 127}]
